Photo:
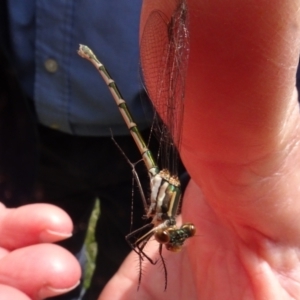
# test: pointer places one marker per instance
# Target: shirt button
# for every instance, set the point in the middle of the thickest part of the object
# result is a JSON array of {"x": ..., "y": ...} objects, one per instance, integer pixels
[{"x": 51, "y": 65}]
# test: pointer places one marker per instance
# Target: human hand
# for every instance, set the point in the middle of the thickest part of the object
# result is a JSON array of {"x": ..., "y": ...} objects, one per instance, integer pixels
[
  {"x": 29, "y": 267},
  {"x": 240, "y": 144}
]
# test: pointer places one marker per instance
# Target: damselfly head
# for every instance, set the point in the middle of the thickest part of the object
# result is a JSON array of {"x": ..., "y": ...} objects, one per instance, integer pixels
[
  {"x": 179, "y": 235},
  {"x": 173, "y": 238}
]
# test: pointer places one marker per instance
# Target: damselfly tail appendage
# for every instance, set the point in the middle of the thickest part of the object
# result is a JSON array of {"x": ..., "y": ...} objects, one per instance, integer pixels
[{"x": 163, "y": 205}]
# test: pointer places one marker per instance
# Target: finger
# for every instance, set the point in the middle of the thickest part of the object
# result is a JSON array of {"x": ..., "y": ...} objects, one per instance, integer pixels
[
  {"x": 31, "y": 224},
  {"x": 40, "y": 271},
  {"x": 241, "y": 125},
  {"x": 8, "y": 293}
]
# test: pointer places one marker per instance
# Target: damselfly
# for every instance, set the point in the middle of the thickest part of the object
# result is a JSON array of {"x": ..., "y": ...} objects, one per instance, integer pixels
[{"x": 163, "y": 205}]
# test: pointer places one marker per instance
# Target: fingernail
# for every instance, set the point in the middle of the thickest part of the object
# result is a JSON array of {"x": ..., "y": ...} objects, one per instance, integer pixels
[
  {"x": 48, "y": 291},
  {"x": 53, "y": 236}
]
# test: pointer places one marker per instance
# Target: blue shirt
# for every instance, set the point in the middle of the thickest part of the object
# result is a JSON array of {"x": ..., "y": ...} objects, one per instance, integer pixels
[{"x": 68, "y": 92}]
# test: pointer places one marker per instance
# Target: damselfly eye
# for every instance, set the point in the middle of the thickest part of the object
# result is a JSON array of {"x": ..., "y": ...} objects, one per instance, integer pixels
[
  {"x": 189, "y": 228},
  {"x": 162, "y": 236}
]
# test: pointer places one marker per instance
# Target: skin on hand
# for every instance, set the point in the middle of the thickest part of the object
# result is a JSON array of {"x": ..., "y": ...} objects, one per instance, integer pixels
[
  {"x": 240, "y": 144},
  {"x": 30, "y": 267},
  {"x": 8, "y": 293}
]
